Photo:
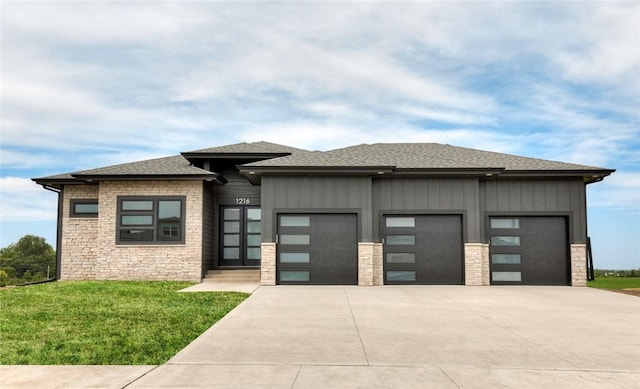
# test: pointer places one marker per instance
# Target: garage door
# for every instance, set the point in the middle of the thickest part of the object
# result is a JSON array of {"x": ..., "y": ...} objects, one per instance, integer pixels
[
  {"x": 423, "y": 249},
  {"x": 317, "y": 249},
  {"x": 529, "y": 251}
]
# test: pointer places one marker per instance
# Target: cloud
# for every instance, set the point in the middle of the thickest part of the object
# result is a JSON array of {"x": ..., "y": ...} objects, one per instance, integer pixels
[
  {"x": 620, "y": 191},
  {"x": 94, "y": 84},
  {"x": 24, "y": 201}
]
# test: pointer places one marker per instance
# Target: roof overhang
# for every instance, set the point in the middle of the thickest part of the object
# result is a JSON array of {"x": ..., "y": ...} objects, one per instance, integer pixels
[
  {"x": 234, "y": 158},
  {"x": 255, "y": 173},
  {"x": 588, "y": 176},
  {"x": 79, "y": 179}
]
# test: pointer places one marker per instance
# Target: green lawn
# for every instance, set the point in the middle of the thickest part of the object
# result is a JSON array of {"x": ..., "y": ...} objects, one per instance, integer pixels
[
  {"x": 615, "y": 283},
  {"x": 105, "y": 322}
]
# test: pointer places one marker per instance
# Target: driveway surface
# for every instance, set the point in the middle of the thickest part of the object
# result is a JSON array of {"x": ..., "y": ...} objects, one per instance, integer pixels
[{"x": 405, "y": 337}]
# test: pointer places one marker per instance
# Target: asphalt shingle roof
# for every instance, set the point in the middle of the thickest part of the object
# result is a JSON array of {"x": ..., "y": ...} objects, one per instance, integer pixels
[
  {"x": 417, "y": 156},
  {"x": 398, "y": 156},
  {"x": 254, "y": 147},
  {"x": 168, "y": 166}
]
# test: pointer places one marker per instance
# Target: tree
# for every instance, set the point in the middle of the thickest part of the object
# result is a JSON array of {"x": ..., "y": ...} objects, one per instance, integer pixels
[{"x": 28, "y": 259}]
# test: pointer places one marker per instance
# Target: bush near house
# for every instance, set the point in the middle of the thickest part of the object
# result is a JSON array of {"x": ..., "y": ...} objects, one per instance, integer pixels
[
  {"x": 30, "y": 259},
  {"x": 105, "y": 322}
]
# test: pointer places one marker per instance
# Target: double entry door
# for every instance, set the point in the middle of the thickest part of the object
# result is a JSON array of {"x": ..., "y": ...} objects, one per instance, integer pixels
[{"x": 240, "y": 235}]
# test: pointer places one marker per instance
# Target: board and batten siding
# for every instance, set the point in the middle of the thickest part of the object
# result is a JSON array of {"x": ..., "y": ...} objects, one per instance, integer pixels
[
  {"x": 548, "y": 196},
  {"x": 209, "y": 229},
  {"x": 315, "y": 195},
  {"x": 429, "y": 196}
]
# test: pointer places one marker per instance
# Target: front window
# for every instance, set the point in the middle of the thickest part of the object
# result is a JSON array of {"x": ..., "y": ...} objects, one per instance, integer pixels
[{"x": 144, "y": 220}]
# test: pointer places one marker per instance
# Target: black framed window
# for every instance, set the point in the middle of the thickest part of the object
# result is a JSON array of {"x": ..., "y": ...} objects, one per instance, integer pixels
[
  {"x": 150, "y": 220},
  {"x": 84, "y": 208}
]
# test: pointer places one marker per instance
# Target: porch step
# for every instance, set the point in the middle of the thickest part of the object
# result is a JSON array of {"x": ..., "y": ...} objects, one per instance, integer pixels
[{"x": 235, "y": 275}]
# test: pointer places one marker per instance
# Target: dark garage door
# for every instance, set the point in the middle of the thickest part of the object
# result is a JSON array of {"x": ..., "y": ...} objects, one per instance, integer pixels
[
  {"x": 423, "y": 249},
  {"x": 529, "y": 251},
  {"x": 317, "y": 249}
]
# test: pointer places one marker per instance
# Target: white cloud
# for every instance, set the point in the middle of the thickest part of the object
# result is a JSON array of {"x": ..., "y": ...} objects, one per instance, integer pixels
[
  {"x": 619, "y": 191},
  {"x": 22, "y": 200}
]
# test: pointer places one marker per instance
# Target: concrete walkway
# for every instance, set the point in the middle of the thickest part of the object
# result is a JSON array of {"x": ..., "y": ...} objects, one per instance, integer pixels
[{"x": 395, "y": 337}]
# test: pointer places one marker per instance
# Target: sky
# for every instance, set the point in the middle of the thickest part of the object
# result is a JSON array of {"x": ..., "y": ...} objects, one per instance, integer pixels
[{"x": 91, "y": 84}]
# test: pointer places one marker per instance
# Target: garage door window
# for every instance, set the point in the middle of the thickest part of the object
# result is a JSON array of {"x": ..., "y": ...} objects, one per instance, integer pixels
[
  {"x": 294, "y": 239},
  {"x": 396, "y": 240},
  {"x": 294, "y": 276},
  {"x": 401, "y": 257},
  {"x": 506, "y": 259},
  {"x": 506, "y": 276},
  {"x": 505, "y": 241},
  {"x": 505, "y": 223},
  {"x": 398, "y": 276},
  {"x": 295, "y": 221},
  {"x": 295, "y": 257},
  {"x": 401, "y": 222}
]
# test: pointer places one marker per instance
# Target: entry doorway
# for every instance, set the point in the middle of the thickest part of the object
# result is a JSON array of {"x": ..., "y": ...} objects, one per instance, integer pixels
[{"x": 240, "y": 229}]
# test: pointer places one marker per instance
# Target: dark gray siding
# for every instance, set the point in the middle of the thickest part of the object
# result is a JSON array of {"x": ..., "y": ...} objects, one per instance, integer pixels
[
  {"x": 549, "y": 196},
  {"x": 237, "y": 186},
  {"x": 208, "y": 228},
  {"x": 309, "y": 194},
  {"x": 429, "y": 195}
]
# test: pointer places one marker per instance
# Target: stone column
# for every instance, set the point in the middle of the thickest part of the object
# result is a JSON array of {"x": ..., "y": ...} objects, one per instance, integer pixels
[
  {"x": 476, "y": 264},
  {"x": 365, "y": 263},
  {"x": 578, "y": 265},
  {"x": 378, "y": 275},
  {"x": 268, "y": 264}
]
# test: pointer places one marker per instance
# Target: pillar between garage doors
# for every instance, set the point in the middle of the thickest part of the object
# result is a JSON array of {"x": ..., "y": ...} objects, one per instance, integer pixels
[
  {"x": 476, "y": 264},
  {"x": 369, "y": 264},
  {"x": 578, "y": 265}
]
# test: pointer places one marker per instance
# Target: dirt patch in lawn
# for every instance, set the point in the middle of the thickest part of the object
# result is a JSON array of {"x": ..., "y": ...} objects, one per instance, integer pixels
[{"x": 631, "y": 291}]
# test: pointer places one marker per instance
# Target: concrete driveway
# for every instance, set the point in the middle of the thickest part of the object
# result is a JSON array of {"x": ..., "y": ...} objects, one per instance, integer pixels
[{"x": 414, "y": 337}]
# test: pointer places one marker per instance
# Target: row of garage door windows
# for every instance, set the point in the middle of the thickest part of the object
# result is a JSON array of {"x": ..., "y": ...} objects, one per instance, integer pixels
[{"x": 400, "y": 250}]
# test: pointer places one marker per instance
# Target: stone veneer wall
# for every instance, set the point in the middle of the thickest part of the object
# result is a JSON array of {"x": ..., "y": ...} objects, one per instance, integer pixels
[
  {"x": 476, "y": 264},
  {"x": 95, "y": 255},
  {"x": 79, "y": 246},
  {"x": 378, "y": 275},
  {"x": 578, "y": 265},
  {"x": 365, "y": 263},
  {"x": 268, "y": 264}
]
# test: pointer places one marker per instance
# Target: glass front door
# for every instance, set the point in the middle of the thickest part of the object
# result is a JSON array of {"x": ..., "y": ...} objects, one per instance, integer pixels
[{"x": 240, "y": 235}]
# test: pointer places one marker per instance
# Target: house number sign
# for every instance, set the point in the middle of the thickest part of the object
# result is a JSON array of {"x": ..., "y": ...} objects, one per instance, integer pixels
[{"x": 243, "y": 201}]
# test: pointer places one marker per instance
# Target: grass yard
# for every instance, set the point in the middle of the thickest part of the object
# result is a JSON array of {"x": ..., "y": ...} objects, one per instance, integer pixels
[
  {"x": 105, "y": 322},
  {"x": 629, "y": 285}
]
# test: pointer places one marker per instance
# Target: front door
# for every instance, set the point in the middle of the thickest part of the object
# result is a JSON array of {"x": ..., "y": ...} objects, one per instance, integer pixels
[{"x": 240, "y": 235}]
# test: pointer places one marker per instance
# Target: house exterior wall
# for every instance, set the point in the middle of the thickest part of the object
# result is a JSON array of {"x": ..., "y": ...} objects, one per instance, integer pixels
[
  {"x": 429, "y": 195},
  {"x": 562, "y": 197},
  {"x": 79, "y": 236},
  {"x": 97, "y": 256},
  {"x": 320, "y": 194},
  {"x": 548, "y": 196}
]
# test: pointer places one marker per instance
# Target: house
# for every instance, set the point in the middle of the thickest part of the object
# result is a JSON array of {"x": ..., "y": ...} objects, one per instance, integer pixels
[{"x": 371, "y": 214}]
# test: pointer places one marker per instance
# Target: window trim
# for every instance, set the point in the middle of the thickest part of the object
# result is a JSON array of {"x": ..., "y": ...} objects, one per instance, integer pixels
[
  {"x": 87, "y": 215},
  {"x": 155, "y": 226}
]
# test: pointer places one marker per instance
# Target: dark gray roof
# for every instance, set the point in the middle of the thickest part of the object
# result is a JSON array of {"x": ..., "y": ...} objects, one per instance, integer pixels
[
  {"x": 175, "y": 166},
  {"x": 254, "y": 147},
  {"x": 426, "y": 156},
  {"x": 399, "y": 157},
  {"x": 168, "y": 166}
]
